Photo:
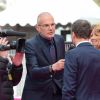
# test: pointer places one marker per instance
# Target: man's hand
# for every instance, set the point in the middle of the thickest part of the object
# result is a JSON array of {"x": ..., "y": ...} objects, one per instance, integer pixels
[
  {"x": 3, "y": 41},
  {"x": 17, "y": 59},
  {"x": 59, "y": 65}
]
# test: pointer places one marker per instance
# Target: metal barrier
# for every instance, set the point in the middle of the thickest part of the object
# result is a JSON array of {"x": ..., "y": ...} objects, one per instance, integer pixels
[{"x": 69, "y": 45}]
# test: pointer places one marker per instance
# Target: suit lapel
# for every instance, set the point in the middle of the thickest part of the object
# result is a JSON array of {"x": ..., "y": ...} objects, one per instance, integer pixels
[
  {"x": 57, "y": 47},
  {"x": 45, "y": 50},
  {"x": 46, "y": 53}
]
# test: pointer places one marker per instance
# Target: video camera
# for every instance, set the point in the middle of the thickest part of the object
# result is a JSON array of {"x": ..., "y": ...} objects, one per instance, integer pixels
[{"x": 18, "y": 44}]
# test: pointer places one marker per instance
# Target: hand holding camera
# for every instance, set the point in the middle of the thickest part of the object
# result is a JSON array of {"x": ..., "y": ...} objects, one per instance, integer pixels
[
  {"x": 17, "y": 45},
  {"x": 17, "y": 59},
  {"x": 3, "y": 41}
]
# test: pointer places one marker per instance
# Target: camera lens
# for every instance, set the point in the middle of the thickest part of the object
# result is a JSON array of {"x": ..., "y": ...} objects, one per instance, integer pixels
[{"x": 13, "y": 44}]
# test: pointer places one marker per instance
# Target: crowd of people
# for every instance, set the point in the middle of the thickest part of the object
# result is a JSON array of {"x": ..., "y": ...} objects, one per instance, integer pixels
[{"x": 53, "y": 73}]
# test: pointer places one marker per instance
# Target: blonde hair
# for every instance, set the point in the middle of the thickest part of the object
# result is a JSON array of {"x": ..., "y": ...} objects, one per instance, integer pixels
[{"x": 95, "y": 25}]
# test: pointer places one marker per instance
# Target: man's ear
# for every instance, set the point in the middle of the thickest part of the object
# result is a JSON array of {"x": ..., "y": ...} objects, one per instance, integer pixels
[
  {"x": 73, "y": 36},
  {"x": 37, "y": 27}
]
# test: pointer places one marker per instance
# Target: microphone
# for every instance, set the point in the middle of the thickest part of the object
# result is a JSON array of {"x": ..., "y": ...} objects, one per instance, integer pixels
[{"x": 5, "y": 33}]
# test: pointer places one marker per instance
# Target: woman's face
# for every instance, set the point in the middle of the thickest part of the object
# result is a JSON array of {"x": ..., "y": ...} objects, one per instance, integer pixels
[{"x": 95, "y": 37}]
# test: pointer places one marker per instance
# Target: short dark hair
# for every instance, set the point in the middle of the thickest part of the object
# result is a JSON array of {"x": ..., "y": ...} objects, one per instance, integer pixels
[{"x": 82, "y": 28}]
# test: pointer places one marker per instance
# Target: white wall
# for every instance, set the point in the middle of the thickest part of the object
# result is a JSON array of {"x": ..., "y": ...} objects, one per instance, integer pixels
[
  {"x": 19, "y": 88},
  {"x": 26, "y": 11}
]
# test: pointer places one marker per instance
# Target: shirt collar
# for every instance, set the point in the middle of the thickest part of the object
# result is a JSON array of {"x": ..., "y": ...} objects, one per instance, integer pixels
[
  {"x": 48, "y": 42},
  {"x": 81, "y": 42}
]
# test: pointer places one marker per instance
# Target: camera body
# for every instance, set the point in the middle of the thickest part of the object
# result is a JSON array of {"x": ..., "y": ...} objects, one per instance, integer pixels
[{"x": 18, "y": 44}]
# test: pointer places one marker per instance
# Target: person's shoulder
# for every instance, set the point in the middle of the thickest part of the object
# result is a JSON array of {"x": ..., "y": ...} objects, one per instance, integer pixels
[
  {"x": 31, "y": 43},
  {"x": 31, "y": 39},
  {"x": 75, "y": 52},
  {"x": 59, "y": 36}
]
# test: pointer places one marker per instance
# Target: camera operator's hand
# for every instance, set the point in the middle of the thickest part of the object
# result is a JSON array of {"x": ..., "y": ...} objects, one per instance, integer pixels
[
  {"x": 3, "y": 41},
  {"x": 17, "y": 59}
]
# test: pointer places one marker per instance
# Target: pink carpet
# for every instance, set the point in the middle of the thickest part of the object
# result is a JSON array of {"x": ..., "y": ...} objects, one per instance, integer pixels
[{"x": 17, "y": 99}]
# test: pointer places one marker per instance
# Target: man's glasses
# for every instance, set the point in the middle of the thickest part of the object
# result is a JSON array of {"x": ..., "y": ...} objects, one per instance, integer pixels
[{"x": 47, "y": 26}]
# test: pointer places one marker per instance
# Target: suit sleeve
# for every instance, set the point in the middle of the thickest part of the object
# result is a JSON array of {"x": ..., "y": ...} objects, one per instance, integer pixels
[{"x": 70, "y": 77}]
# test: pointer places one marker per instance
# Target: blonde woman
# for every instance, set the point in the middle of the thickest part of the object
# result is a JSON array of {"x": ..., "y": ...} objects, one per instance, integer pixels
[{"x": 95, "y": 36}]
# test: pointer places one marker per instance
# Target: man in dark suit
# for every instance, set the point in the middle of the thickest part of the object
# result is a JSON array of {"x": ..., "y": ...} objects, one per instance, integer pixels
[
  {"x": 82, "y": 66},
  {"x": 44, "y": 65}
]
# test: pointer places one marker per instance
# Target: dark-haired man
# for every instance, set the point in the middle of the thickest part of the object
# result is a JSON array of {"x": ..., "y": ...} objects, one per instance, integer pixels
[{"x": 82, "y": 66}]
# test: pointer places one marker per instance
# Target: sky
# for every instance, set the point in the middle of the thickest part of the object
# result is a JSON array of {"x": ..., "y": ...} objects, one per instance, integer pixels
[{"x": 64, "y": 11}]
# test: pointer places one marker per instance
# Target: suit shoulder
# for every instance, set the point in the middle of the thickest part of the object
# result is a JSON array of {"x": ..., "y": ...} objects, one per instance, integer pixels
[
  {"x": 59, "y": 37},
  {"x": 31, "y": 40}
]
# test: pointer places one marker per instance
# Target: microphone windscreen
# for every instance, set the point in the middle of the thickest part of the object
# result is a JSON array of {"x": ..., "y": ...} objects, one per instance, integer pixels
[{"x": 5, "y": 33}]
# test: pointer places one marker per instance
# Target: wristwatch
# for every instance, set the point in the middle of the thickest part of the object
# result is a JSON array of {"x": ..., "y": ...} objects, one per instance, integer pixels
[{"x": 51, "y": 70}]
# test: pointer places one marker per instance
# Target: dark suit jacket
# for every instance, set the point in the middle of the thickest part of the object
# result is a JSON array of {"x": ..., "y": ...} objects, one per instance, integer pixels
[
  {"x": 82, "y": 73},
  {"x": 39, "y": 84}
]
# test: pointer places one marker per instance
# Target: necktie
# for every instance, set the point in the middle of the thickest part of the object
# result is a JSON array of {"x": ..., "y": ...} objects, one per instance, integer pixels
[
  {"x": 52, "y": 52},
  {"x": 53, "y": 57}
]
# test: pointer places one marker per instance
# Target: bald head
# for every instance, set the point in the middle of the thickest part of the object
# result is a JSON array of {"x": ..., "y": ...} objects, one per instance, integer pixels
[
  {"x": 46, "y": 25},
  {"x": 44, "y": 16}
]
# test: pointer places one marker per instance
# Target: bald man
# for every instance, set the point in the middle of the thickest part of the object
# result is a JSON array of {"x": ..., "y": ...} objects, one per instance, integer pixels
[{"x": 44, "y": 65}]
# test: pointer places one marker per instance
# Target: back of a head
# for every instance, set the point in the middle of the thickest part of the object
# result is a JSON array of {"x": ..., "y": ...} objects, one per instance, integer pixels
[{"x": 82, "y": 28}]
